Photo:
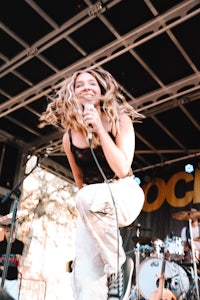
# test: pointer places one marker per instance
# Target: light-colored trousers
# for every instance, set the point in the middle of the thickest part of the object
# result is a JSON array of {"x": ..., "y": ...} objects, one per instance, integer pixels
[{"x": 99, "y": 250}]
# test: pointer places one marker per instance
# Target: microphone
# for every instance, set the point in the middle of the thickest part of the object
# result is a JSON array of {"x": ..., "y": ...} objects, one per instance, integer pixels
[
  {"x": 88, "y": 106},
  {"x": 90, "y": 133}
]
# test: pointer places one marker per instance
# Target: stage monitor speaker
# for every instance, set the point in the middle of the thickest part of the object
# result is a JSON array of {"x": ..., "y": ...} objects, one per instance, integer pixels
[
  {"x": 8, "y": 164},
  {"x": 6, "y": 206},
  {"x": 9, "y": 156}
]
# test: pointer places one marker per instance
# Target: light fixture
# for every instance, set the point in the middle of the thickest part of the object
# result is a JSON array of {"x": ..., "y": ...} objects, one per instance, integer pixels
[
  {"x": 96, "y": 9},
  {"x": 137, "y": 179},
  {"x": 147, "y": 178},
  {"x": 189, "y": 168}
]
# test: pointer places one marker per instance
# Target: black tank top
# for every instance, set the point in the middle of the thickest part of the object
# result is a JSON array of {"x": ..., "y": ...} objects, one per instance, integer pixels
[{"x": 85, "y": 161}]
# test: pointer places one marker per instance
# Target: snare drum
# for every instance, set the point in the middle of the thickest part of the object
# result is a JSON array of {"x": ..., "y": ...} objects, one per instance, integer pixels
[{"x": 175, "y": 247}]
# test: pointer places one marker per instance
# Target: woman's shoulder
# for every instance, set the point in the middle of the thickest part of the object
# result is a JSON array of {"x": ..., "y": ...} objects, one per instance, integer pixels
[
  {"x": 125, "y": 122},
  {"x": 66, "y": 141},
  {"x": 124, "y": 117},
  {"x": 66, "y": 136},
  {"x": 75, "y": 138}
]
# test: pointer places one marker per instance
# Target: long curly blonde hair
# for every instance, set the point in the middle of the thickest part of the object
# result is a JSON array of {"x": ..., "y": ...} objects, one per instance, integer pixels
[{"x": 65, "y": 109}]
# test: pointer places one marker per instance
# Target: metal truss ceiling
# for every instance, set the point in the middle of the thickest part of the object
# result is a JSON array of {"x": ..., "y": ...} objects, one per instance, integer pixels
[{"x": 150, "y": 46}]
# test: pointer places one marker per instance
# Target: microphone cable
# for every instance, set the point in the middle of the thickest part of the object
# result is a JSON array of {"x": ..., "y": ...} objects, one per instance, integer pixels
[{"x": 113, "y": 200}]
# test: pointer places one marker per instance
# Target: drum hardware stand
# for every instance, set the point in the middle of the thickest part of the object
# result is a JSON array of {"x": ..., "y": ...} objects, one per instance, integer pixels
[
  {"x": 137, "y": 263},
  {"x": 135, "y": 294},
  {"x": 193, "y": 260}
]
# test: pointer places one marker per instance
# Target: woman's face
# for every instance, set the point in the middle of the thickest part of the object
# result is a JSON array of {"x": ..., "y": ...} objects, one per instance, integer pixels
[{"x": 87, "y": 86}]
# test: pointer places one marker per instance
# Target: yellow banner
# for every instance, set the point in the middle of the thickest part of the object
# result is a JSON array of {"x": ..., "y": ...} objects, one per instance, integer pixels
[{"x": 181, "y": 189}]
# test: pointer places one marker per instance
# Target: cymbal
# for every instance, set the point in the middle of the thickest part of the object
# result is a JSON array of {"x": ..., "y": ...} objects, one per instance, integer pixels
[
  {"x": 136, "y": 227},
  {"x": 186, "y": 215},
  {"x": 7, "y": 219},
  {"x": 197, "y": 239},
  {"x": 142, "y": 239},
  {"x": 159, "y": 241}
]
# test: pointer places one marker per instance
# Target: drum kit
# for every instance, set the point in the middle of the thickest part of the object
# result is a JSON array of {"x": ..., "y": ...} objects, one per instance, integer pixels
[{"x": 149, "y": 254}]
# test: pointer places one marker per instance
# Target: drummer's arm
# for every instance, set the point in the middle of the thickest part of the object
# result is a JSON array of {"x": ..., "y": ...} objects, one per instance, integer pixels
[{"x": 186, "y": 245}]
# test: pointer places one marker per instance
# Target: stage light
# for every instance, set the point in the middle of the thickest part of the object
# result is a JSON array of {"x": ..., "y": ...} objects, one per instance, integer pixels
[
  {"x": 189, "y": 168},
  {"x": 137, "y": 179},
  {"x": 96, "y": 9},
  {"x": 147, "y": 178},
  {"x": 31, "y": 163}
]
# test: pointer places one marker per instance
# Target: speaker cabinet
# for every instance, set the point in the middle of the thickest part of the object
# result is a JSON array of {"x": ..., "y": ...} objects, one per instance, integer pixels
[{"x": 9, "y": 156}]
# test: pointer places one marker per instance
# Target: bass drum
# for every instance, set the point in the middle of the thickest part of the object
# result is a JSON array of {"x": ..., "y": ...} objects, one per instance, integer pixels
[{"x": 176, "y": 277}]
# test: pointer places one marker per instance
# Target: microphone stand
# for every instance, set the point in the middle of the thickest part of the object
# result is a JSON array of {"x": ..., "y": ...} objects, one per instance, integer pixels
[
  {"x": 17, "y": 193},
  {"x": 137, "y": 262},
  {"x": 193, "y": 259}
]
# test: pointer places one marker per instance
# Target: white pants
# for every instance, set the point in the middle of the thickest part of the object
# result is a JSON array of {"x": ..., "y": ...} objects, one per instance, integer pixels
[
  {"x": 99, "y": 250},
  {"x": 11, "y": 287}
]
